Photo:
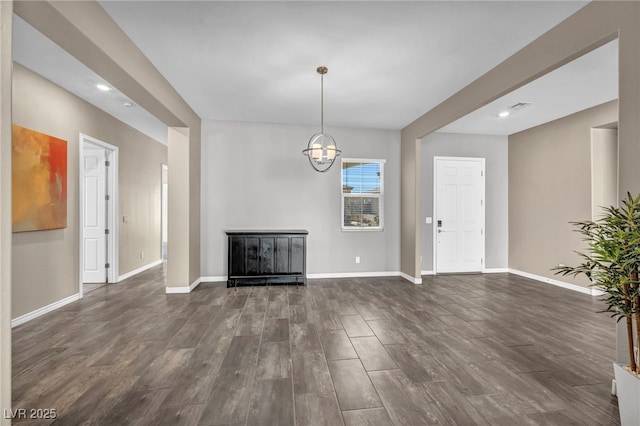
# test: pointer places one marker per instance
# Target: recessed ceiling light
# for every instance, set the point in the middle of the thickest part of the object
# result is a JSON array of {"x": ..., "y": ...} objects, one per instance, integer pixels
[
  {"x": 504, "y": 114},
  {"x": 128, "y": 104},
  {"x": 103, "y": 87}
]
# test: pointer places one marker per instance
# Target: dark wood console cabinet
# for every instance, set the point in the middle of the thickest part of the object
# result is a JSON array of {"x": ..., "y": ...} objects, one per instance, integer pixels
[{"x": 267, "y": 257}]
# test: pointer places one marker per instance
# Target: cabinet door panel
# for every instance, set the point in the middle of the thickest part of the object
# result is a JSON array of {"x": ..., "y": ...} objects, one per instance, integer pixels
[
  {"x": 297, "y": 255},
  {"x": 282, "y": 255},
  {"x": 266, "y": 255},
  {"x": 252, "y": 245},
  {"x": 237, "y": 256}
]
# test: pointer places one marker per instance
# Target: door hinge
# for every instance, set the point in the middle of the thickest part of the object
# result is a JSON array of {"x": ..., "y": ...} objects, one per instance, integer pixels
[
  {"x": 106, "y": 197},
  {"x": 482, "y": 260},
  {"x": 107, "y": 265},
  {"x": 481, "y": 203},
  {"x": 481, "y": 173},
  {"x": 107, "y": 163},
  {"x": 482, "y": 232},
  {"x": 106, "y": 231}
]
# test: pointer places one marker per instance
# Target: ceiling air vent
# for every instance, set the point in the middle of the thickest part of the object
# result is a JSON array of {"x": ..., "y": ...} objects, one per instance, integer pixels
[
  {"x": 520, "y": 105},
  {"x": 513, "y": 109}
]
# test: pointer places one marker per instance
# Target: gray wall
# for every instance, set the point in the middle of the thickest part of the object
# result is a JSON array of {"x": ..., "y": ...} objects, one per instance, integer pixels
[
  {"x": 550, "y": 186},
  {"x": 45, "y": 264},
  {"x": 495, "y": 150},
  {"x": 254, "y": 176}
]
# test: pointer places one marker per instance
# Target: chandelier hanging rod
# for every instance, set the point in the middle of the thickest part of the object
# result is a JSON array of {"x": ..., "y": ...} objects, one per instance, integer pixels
[
  {"x": 322, "y": 71},
  {"x": 322, "y": 149}
]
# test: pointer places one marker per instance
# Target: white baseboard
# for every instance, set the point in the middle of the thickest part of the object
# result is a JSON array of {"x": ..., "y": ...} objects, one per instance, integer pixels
[
  {"x": 410, "y": 278},
  {"x": 213, "y": 279},
  {"x": 45, "y": 309},
  {"x": 485, "y": 271},
  {"x": 195, "y": 284},
  {"x": 183, "y": 290},
  {"x": 495, "y": 270},
  {"x": 353, "y": 274},
  {"x": 585, "y": 290},
  {"x": 140, "y": 269}
]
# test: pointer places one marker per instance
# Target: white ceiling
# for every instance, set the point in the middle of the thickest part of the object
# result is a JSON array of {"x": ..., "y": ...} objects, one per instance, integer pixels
[
  {"x": 587, "y": 81},
  {"x": 38, "y": 53},
  {"x": 389, "y": 62}
]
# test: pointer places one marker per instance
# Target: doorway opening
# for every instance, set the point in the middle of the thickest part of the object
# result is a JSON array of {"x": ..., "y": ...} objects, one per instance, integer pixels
[
  {"x": 459, "y": 214},
  {"x": 98, "y": 209}
]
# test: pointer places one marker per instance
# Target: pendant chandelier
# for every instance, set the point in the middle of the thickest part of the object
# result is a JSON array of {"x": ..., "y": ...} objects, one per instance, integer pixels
[{"x": 322, "y": 149}]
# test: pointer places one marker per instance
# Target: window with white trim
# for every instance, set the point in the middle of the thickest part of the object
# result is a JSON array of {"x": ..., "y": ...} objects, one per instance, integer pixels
[{"x": 362, "y": 194}]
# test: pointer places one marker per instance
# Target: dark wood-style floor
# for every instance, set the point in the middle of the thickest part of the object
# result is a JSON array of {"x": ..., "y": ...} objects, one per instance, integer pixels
[{"x": 492, "y": 349}]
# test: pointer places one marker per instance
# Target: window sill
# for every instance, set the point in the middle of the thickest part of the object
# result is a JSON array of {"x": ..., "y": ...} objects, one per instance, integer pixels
[{"x": 363, "y": 229}]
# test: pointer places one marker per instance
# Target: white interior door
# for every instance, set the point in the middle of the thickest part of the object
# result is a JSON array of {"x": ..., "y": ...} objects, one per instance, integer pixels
[
  {"x": 94, "y": 213},
  {"x": 459, "y": 214}
]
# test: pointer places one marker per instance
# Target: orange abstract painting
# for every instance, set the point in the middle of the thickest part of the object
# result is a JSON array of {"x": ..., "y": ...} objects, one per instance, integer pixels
[{"x": 39, "y": 185}]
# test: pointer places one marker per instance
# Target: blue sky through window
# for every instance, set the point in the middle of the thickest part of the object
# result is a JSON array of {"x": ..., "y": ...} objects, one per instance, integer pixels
[{"x": 363, "y": 178}]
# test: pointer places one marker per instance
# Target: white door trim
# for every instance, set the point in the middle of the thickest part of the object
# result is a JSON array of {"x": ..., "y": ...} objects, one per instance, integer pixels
[
  {"x": 113, "y": 212},
  {"x": 434, "y": 213}
]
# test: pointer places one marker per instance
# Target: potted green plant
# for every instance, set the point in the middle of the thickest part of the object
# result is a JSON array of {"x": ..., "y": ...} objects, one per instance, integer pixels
[{"x": 612, "y": 263}]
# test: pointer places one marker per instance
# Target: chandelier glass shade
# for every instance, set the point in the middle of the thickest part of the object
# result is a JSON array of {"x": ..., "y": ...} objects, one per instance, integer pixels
[{"x": 322, "y": 149}]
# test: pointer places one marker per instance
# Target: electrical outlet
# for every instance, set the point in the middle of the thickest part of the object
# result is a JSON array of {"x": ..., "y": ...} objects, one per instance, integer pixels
[
  {"x": 357, "y": 259},
  {"x": 141, "y": 255}
]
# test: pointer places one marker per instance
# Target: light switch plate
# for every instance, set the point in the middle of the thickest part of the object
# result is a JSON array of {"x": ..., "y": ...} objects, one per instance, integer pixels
[{"x": 428, "y": 220}]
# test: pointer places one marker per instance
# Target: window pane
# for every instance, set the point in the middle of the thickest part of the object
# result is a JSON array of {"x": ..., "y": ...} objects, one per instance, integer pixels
[
  {"x": 361, "y": 211},
  {"x": 360, "y": 178}
]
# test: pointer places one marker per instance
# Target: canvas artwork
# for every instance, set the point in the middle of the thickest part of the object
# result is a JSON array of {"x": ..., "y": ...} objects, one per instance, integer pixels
[{"x": 39, "y": 181}]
